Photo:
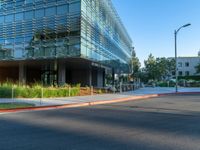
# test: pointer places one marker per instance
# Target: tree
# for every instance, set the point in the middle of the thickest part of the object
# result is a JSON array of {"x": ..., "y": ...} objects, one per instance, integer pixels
[
  {"x": 159, "y": 68},
  {"x": 171, "y": 66},
  {"x": 142, "y": 74},
  {"x": 151, "y": 68},
  {"x": 197, "y": 68},
  {"x": 135, "y": 65},
  {"x": 165, "y": 67}
]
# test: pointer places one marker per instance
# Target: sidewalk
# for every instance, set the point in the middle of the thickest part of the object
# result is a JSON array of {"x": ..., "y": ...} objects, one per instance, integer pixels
[
  {"x": 162, "y": 90},
  {"x": 143, "y": 92}
]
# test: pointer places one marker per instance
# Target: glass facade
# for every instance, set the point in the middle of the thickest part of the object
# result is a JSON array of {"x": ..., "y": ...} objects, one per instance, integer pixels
[
  {"x": 31, "y": 29},
  {"x": 42, "y": 29},
  {"x": 103, "y": 36}
]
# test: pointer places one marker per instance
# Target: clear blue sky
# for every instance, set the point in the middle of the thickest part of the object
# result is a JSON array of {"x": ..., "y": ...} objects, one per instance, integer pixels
[{"x": 151, "y": 25}]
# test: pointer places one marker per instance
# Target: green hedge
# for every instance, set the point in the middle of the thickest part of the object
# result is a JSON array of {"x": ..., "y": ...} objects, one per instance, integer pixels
[
  {"x": 37, "y": 91},
  {"x": 181, "y": 82},
  {"x": 165, "y": 84},
  {"x": 196, "y": 78}
]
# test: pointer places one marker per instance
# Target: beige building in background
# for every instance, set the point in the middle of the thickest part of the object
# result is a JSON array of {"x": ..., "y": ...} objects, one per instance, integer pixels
[{"x": 186, "y": 65}]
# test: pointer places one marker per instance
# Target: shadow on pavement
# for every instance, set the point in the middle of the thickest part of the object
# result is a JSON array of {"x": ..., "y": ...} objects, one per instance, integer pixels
[{"x": 101, "y": 128}]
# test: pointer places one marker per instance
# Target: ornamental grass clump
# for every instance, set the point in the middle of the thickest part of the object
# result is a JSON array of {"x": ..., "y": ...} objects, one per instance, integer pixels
[{"x": 9, "y": 90}]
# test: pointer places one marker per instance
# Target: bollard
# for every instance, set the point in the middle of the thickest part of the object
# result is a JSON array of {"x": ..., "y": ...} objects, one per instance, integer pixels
[
  {"x": 91, "y": 90},
  {"x": 120, "y": 87},
  {"x": 114, "y": 88},
  {"x": 69, "y": 94},
  {"x": 139, "y": 85},
  {"x": 42, "y": 95},
  {"x": 134, "y": 84},
  {"x": 12, "y": 93}
]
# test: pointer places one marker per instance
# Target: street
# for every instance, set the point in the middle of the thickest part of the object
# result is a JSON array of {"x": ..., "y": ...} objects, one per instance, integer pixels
[{"x": 164, "y": 123}]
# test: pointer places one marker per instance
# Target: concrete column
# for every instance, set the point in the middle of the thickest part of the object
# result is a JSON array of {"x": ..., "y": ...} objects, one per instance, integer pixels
[
  {"x": 61, "y": 74},
  {"x": 90, "y": 77},
  {"x": 100, "y": 78},
  {"x": 22, "y": 74},
  {"x": 56, "y": 73},
  {"x": 113, "y": 76},
  {"x": 104, "y": 78}
]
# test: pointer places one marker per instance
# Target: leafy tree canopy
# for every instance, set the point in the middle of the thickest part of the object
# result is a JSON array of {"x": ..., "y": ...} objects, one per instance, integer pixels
[{"x": 159, "y": 68}]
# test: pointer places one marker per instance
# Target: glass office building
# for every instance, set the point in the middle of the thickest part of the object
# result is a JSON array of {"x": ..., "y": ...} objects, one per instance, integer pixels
[{"x": 62, "y": 41}]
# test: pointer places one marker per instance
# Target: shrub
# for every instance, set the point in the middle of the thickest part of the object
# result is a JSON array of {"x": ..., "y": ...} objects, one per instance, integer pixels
[
  {"x": 166, "y": 84},
  {"x": 36, "y": 91},
  {"x": 5, "y": 92}
]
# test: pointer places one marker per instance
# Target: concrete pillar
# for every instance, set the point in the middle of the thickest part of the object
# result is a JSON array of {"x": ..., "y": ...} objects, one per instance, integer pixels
[
  {"x": 90, "y": 77},
  {"x": 104, "y": 78},
  {"x": 55, "y": 69},
  {"x": 22, "y": 74},
  {"x": 113, "y": 76},
  {"x": 61, "y": 74},
  {"x": 100, "y": 78}
]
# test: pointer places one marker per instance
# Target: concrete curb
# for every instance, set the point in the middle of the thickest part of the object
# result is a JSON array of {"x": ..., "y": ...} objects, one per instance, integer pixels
[
  {"x": 84, "y": 104},
  {"x": 179, "y": 93}
]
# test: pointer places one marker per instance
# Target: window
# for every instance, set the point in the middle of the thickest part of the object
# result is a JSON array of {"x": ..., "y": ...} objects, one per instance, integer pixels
[
  {"x": 19, "y": 3},
  {"x": 180, "y": 73},
  {"x": 9, "y": 18},
  {"x": 180, "y": 64},
  {"x": 50, "y": 11},
  {"x": 9, "y": 5},
  {"x": 187, "y": 64},
  {"x": 28, "y": 15},
  {"x": 63, "y": 9},
  {"x": 18, "y": 53},
  {"x": 1, "y": 19},
  {"x": 9, "y": 40},
  {"x": 29, "y": 1},
  {"x": 39, "y": 13},
  {"x": 28, "y": 39},
  {"x": 19, "y": 39},
  {"x": 1, "y": 42},
  {"x": 19, "y": 16},
  {"x": 187, "y": 73},
  {"x": 173, "y": 73},
  {"x": 74, "y": 7}
]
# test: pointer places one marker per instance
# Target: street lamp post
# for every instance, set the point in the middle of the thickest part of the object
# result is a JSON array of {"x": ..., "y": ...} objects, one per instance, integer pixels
[{"x": 176, "y": 71}]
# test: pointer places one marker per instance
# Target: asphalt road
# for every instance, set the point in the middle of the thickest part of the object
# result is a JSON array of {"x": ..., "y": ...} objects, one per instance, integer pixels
[{"x": 165, "y": 123}]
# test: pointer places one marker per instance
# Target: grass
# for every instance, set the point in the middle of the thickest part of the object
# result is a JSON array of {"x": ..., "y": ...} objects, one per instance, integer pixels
[{"x": 15, "y": 105}]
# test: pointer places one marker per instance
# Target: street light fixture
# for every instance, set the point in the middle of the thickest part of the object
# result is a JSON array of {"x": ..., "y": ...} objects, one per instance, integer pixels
[{"x": 176, "y": 71}]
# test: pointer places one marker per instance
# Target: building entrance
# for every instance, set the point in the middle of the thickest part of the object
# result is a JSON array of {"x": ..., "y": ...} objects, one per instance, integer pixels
[{"x": 49, "y": 75}]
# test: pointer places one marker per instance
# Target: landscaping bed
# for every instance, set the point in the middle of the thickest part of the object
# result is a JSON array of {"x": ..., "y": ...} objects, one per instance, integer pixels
[{"x": 9, "y": 90}]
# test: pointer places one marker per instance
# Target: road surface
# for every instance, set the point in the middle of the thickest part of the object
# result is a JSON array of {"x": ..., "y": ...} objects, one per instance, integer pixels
[{"x": 164, "y": 123}]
